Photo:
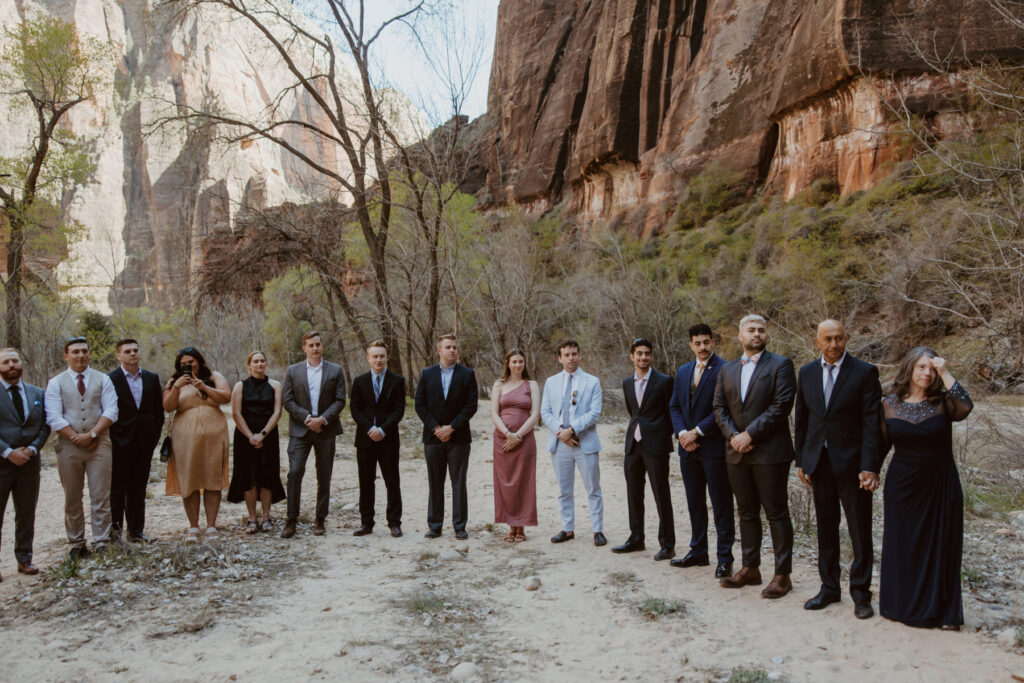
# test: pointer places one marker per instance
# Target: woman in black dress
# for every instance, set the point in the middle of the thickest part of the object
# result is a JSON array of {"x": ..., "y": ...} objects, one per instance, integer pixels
[
  {"x": 256, "y": 408},
  {"x": 923, "y": 536}
]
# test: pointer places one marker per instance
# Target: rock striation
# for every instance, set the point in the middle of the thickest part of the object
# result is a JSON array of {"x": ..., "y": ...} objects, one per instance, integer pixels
[{"x": 611, "y": 106}]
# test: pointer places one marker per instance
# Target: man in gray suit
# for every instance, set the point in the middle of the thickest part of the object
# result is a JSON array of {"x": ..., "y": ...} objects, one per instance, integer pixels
[
  {"x": 753, "y": 397},
  {"x": 23, "y": 431},
  {"x": 314, "y": 395}
]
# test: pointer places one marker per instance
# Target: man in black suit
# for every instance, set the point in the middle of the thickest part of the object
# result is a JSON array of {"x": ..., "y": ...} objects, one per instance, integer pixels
[
  {"x": 753, "y": 397},
  {"x": 446, "y": 398},
  {"x": 838, "y": 455},
  {"x": 702, "y": 454},
  {"x": 23, "y": 431},
  {"x": 140, "y": 419},
  {"x": 648, "y": 444},
  {"x": 378, "y": 404}
]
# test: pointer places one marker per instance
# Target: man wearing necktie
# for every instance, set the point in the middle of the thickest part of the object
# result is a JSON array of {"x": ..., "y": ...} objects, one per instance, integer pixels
[
  {"x": 378, "y": 404},
  {"x": 838, "y": 455},
  {"x": 81, "y": 404},
  {"x": 23, "y": 431},
  {"x": 753, "y": 397},
  {"x": 648, "y": 444}
]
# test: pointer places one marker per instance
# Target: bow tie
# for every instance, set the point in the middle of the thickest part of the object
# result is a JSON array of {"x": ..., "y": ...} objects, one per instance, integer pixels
[{"x": 744, "y": 361}]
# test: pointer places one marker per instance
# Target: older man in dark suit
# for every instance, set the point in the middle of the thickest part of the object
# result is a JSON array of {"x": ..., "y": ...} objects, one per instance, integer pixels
[
  {"x": 313, "y": 396},
  {"x": 23, "y": 431},
  {"x": 753, "y": 397},
  {"x": 140, "y": 419},
  {"x": 838, "y": 455}
]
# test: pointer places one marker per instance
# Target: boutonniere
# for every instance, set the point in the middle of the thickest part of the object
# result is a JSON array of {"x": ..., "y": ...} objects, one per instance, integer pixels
[{"x": 35, "y": 403}]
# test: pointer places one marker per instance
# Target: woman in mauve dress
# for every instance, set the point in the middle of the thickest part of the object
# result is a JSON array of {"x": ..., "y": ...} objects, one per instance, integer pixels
[{"x": 515, "y": 410}]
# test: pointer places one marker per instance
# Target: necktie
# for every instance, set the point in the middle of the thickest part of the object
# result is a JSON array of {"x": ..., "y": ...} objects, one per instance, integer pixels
[
  {"x": 566, "y": 401},
  {"x": 376, "y": 386},
  {"x": 640, "y": 384},
  {"x": 829, "y": 382},
  {"x": 16, "y": 400},
  {"x": 81, "y": 384},
  {"x": 697, "y": 373}
]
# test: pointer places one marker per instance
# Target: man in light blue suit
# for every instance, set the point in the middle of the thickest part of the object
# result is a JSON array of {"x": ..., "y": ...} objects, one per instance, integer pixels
[{"x": 570, "y": 409}]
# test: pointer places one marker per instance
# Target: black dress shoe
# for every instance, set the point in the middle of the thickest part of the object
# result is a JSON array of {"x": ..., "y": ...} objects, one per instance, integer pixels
[
  {"x": 628, "y": 547},
  {"x": 692, "y": 559},
  {"x": 863, "y": 610},
  {"x": 822, "y": 600},
  {"x": 433, "y": 533},
  {"x": 363, "y": 530},
  {"x": 664, "y": 554},
  {"x": 462, "y": 534},
  {"x": 79, "y": 552},
  {"x": 563, "y": 536},
  {"x": 599, "y": 539},
  {"x": 723, "y": 570},
  {"x": 396, "y": 531},
  {"x": 139, "y": 538}
]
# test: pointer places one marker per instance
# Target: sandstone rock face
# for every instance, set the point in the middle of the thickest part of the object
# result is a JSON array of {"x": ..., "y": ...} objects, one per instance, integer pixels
[{"x": 614, "y": 104}]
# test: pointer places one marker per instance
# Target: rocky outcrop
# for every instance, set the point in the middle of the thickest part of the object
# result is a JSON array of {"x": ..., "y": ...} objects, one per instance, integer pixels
[{"x": 612, "y": 105}]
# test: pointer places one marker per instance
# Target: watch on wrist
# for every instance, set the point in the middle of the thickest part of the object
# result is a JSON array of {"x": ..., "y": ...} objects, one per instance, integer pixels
[
  {"x": 93, "y": 435},
  {"x": 263, "y": 432}
]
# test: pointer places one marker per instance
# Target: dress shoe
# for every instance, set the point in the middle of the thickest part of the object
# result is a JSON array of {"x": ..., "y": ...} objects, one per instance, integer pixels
[
  {"x": 433, "y": 533},
  {"x": 822, "y": 600},
  {"x": 139, "y": 538},
  {"x": 723, "y": 570},
  {"x": 115, "y": 533},
  {"x": 692, "y": 559},
  {"x": 396, "y": 531},
  {"x": 79, "y": 552},
  {"x": 664, "y": 554},
  {"x": 563, "y": 536},
  {"x": 599, "y": 539},
  {"x": 779, "y": 586},
  {"x": 29, "y": 568},
  {"x": 863, "y": 610},
  {"x": 100, "y": 547},
  {"x": 319, "y": 528},
  {"x": 461, "y": 534},
  {"x": 289, "y": 529},
  {"x": 628, "y": 547},
  {"x": 363, "y": 530},
  {"x": 746, "y": 576}
]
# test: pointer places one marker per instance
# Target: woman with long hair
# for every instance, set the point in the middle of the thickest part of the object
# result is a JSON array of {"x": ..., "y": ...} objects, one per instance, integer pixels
[
  {"x": 256, "y": 450},
  {"x": 199, "y": 438},
  {"x": 515, "y": 410},
  {"x": 923, "y": 536}
]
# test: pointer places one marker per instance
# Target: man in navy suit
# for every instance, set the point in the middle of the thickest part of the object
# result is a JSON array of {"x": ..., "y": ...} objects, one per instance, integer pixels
[
  {"x": 140, "y": 419},
  {"x": 378, "y": 404},
  {"x": 446, "y": 399},
  {"x": 702, "y": 454}
]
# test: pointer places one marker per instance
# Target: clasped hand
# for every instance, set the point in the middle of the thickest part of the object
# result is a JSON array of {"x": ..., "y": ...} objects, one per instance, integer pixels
[
  {"x": 19, "y": 456},
  {"x": 444, "y": 433},
  {"x": 315, "y": 424},
  {"x": 568, "y": 437},
  {"x": 742, "y": 442}
]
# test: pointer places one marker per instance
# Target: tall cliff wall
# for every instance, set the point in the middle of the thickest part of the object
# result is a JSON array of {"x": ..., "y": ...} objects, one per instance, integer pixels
[{"x": 614, "y": 104}]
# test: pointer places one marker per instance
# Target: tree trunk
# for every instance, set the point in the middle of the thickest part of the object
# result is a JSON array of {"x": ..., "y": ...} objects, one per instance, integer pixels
[{"x": 15, "y": 244}]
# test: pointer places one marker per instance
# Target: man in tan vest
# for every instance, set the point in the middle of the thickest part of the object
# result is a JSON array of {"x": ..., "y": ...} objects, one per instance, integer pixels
[{"x": 81, "y": 404}]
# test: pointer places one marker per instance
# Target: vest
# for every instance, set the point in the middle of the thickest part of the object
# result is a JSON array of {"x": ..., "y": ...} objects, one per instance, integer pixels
[{"x": 82, "y": 412}]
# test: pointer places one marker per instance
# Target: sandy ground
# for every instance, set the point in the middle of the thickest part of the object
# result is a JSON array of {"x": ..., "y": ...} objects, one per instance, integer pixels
[{"x": 368, "y": 608}]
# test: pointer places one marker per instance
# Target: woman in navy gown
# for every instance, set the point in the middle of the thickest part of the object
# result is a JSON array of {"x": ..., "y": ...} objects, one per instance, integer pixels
[{"x": 922, "y": 540}]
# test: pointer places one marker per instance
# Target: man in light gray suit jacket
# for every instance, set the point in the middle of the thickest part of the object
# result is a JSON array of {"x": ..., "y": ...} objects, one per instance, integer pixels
[
  {"x": 23, "y": 431},
  {"x": 314, "y": 395},
  {"x": 570, "y": 408}
]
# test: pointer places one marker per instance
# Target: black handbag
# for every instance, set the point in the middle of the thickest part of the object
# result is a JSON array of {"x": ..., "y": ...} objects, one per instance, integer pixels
[{"x": 166, "y": 449}]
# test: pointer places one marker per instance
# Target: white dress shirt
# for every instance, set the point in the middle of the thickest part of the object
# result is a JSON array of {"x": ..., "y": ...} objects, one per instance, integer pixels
[
  {"x": 835, "y": 372},
  {"x": 314, "y": 374},
  {"x": 134, "y": 384},
  {"x": 55, "y": 404},
  {"x": 746, "y": 372},
  {"x": 25, "y": 409}
]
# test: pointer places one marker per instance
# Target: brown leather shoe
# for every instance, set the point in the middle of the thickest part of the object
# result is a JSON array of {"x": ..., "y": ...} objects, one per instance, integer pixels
[
  {"x": 27, "y": 568},
  {"x": 289, "y": 529},
  {"x": 746, "y": 576},
  {"x": 779, "y": 586},
  {"x": 319, "y": 529}
]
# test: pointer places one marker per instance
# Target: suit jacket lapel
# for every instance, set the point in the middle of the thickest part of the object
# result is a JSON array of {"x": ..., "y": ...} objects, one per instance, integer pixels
[
  {"x": 122, "y": 387},
  {"x": 844, "y": 371},
  {"x": 9, "y": 405},
  {"x": 302, "y": 387},
  {"x": 817, "y": 387},
  {"x": 761, "y": 362}
]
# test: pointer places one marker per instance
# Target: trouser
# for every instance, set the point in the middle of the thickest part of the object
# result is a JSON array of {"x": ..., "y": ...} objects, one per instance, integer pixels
[
  {"x": 566, "y": 460},
  {"x": 703, "y": 478},
  {"x": 368, "y": 458},
  {"x": 75, "y": 467},
  {"x": 829, "y": 492},
  {"x": 21, "y": 483},
  {"x": 638, "y": 467},
  {"x": 128, "y": 481},
  {"x": 451, "y": 459},
  {"x": 763, "y": 486},
  {"x": 298, "y": 452}
]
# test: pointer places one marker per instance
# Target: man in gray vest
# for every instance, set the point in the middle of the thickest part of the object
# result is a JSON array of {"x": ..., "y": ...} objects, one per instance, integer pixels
[{"x": 81, "y": 404}]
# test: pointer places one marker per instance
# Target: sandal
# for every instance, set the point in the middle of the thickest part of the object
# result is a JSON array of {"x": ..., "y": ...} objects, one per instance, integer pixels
[
  {"x": 520, "y": 536},
  {"x": 268, "y": 524},
  {"x": 211, "y": 533},
  {"x": 192, "y": 535},
  {"x": 251, "y": 527},
  {"x": 511, "y": 538}
]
